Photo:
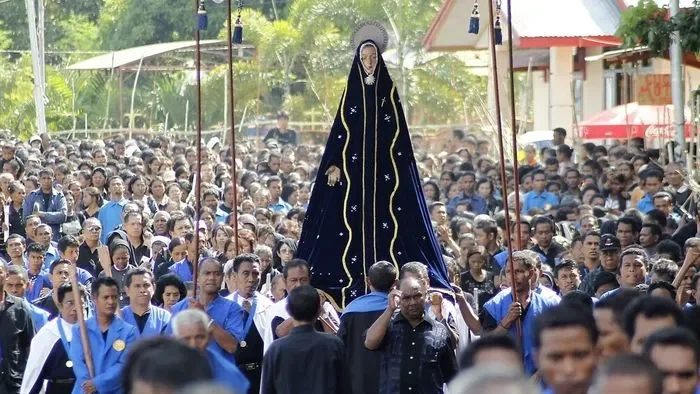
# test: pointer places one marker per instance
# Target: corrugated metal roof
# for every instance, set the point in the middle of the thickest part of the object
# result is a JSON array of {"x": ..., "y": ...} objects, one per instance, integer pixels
[
  {"x": 565, "y": 18},
  {"x": 124, "y": 57}
]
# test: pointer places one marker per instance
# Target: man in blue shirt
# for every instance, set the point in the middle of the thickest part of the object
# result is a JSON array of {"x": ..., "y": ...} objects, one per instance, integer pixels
[
  {"x": 653, "y": 182},
  {"x": 500, "y": 313},
  {"x": 47, "y": 203},
  {"x": 277, "y": 204},
  {"x": 148, "y": 319},
  {"x": 110, "y": 214},
  {"x": 565, "y": 342},
  {"x": 226, "y": 322},
  {"x": 37, "y": 276},
  {"x": 109, "y": 337},
  {"x": 476, "y": 202},
  {"x": 16, "y": 284},
  {"x": 210, "y": 199},
  {"x": 538, "y": 198}
]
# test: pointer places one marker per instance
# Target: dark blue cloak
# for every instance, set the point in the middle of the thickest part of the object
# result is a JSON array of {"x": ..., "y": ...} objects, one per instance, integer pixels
[{"x": 377, "y": 211}]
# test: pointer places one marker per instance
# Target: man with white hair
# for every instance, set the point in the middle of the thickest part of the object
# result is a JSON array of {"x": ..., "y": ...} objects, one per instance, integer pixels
[
  {"x": 191, "y": 326},
  {"x": 5, "y": 179},
  {"x": 492, "y": 379}
]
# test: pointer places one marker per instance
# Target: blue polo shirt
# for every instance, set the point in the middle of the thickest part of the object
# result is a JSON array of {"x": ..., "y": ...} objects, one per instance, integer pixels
[
  {"x": 183, "y": 270},
  {"x": 110, "y": 216},
  {"x": 538, "y": 200},
  {"x": 225, "y": 313},
  {"x": 498, "y": 307},
  {"x": 280, "y": 206},
  {"x": 646, "y": 204}
]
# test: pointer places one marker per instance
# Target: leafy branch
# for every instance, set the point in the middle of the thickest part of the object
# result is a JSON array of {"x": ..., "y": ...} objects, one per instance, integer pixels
[{"x": 649, "y": 25}]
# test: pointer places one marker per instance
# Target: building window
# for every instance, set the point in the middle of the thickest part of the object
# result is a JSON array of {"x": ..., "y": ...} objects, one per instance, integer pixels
[{"x": 610, "y": 92}]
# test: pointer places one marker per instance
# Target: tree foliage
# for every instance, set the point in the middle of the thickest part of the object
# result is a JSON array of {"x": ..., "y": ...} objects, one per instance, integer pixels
[
  {"x": 301, "y": 62},
  {"x": 647, "y": 24}
]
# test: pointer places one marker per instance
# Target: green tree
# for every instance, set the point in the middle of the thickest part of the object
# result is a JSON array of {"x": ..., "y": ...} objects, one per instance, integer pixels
[
  {"x": 129, "y": 23},
  {"x": 647, "y": 24},
  {"x": 301, "y": 61},
  {"x": 13, "y": 15}
]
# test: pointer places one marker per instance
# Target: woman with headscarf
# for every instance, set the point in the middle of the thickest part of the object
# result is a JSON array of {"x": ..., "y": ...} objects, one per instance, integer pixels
[{"x": 367, "y": 204}]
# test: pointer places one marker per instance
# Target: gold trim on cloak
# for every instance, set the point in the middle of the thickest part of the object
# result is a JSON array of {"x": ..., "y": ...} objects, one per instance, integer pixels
[
  {"x": 345, "y": 202},
  {"x": 364, "y": 166},
  {"x": 374, "y": 189},
  {"x": 396, "y": 177}
]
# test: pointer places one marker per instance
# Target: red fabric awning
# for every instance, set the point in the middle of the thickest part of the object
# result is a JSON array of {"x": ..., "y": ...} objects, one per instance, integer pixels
[{"x": 633, "y": 121}]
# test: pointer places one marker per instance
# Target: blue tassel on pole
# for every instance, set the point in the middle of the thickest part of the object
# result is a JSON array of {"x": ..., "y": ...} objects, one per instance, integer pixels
[
  {"x": 474, "y": 19},
  {"x": 498, "y": 32},
  {"x": 238, "y": 32},
  {"x": 202, "y": 19}
]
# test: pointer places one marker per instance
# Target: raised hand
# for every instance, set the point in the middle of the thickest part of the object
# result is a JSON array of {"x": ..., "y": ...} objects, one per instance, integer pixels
[{"x": 333, "y": 174}]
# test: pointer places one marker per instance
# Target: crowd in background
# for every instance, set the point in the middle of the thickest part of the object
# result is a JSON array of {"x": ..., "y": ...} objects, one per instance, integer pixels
[{"x": 606, "y": 239}]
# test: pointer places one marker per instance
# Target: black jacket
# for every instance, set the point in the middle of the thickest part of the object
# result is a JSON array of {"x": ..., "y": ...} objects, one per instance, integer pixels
[{"x": 16, "y": 333}]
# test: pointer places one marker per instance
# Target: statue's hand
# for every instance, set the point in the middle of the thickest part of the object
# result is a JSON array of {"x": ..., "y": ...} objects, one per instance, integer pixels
[{"x": 333, "y": 174}]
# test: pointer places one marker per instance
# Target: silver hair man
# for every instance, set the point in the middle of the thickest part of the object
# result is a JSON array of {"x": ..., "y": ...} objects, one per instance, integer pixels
[
  {"x": 204, "y": 388},
  {"x": 492, "y": 379},
  {"x": 188, "y": 318}
]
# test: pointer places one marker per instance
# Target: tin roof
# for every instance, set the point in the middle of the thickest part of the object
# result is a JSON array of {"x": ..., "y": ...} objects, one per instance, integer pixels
[
  {"x": 536, "y": 24},
  {"x": 570, "y": 18}
]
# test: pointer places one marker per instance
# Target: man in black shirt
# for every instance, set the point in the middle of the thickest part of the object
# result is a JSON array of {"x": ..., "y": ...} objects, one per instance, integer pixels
[
  {"x": 59, "y": 273},
  {"x": 282, "y": 133},
  {"x": 544, "y": 232},
  {"x": 417, "y": 353},
  {"x": 305, "y": 361},
  {"x": 16, "y": 333},
  {"x": 88, "y": 258}
]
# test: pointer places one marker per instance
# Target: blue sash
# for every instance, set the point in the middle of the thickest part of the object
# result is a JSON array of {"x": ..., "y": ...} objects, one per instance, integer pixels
[
  {"x": 251, "y": 314},
  {"x": 66, "y": 344}
]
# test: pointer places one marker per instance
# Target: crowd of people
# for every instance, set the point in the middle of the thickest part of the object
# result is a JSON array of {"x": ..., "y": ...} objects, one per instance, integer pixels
[{"x": 600, "y": 294}]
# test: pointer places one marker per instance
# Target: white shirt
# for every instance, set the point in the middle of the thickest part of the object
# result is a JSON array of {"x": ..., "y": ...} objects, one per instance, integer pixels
[
  {"x": 264, "y": 303},
  {"x": 279, "y": 309}
]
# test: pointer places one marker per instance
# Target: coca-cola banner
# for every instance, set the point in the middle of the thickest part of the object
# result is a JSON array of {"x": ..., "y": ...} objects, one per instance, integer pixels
[
  {"x": 623, "y": 132},
  {"x": 632, "y": 121}
]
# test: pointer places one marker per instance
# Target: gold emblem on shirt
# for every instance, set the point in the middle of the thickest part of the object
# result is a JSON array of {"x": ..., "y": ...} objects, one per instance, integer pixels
[{"x": 119, "y": 345}]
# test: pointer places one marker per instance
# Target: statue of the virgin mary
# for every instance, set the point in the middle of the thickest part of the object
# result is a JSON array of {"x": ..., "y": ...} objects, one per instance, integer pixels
[{"x": 367, "y": 203}]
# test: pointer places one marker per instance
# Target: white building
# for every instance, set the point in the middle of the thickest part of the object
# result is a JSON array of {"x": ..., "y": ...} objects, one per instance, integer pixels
[{"x": 574, "y": 54}]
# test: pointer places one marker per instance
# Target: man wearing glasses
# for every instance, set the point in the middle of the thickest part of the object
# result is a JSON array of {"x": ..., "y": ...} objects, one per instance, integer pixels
[
  {"x": 417, "y": 351},
  {"x": 87, "y": 253}
]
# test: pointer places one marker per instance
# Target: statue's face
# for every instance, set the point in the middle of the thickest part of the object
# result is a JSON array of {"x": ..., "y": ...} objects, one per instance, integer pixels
[{"x": 368, "y": 56}]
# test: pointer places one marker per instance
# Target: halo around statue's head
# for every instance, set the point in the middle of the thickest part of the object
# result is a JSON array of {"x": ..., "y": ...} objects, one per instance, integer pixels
[{"x": 370, "y": 31}]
